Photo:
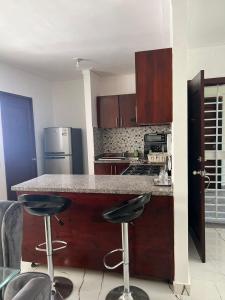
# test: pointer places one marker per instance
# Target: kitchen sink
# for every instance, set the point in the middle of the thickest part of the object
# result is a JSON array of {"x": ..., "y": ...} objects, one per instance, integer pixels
[{"x": 112, "y": 158}]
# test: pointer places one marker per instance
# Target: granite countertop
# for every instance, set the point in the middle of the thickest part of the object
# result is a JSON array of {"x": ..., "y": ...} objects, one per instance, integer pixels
[{"x": 108, "y": 184}]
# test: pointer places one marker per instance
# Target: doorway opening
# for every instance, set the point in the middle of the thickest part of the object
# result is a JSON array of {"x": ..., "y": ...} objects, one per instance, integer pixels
[{"x": 215, "y": 153}]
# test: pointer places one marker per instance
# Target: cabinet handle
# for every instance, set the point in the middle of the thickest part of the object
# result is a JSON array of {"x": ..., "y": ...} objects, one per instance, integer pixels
[
  {"x": 111, "y": 170},
  {"x": 115, "y": 170},
  {"x": 117, "y": 121},
  {"x": 121, "y": 121}
]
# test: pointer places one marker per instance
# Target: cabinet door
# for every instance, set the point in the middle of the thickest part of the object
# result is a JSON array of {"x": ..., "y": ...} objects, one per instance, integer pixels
[
  {"x": 154, "y": 86},
  {"x": 127, "y": 105},
  {"x": 108, "y": 111},
  {"x": 104, "y": 169},
  {"x": 119, "y": 168}
]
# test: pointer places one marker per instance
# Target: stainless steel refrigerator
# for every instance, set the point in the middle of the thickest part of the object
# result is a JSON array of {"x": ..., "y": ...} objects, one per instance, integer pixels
[{"x": 63, "y": 151}]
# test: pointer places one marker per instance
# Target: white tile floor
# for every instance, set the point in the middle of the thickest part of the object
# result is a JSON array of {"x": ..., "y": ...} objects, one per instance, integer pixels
[{"x": 207, "y": 280}]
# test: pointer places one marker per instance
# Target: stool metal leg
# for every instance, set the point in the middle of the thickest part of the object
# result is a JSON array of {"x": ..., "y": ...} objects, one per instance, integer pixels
[
  {"x": 126, "y": 274},
  {"x": 126, "y": 292},
  {"x": 61, "y": 286},
  {"x": 48, "y": 238}
]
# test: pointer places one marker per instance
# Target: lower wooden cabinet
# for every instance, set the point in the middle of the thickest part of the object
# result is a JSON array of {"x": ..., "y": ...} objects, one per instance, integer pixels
[
  {"x": 90, "y": 237},
  {"x": 110, "y": 168}
]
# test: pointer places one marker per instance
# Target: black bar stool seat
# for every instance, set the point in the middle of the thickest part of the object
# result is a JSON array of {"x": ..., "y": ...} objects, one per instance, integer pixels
[
  {"x": 48, "y": 206},
  {"x": 127, "y": 211},
  {"x": 124, "y": 213},
  {"x": 44, "y": 205}
]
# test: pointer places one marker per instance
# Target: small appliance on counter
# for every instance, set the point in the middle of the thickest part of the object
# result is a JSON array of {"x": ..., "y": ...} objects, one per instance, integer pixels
[
  {"x": 157, "y": 157},
  {"x": 63, "y": 150},
  {"x": 157, "y": 142}
]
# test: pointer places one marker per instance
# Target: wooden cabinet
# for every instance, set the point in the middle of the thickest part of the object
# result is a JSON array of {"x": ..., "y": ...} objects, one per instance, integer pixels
[
  {"x": 110, "y": 168},
  {"x": 154, "y": 86},
  {"x": 127, "y": 108},
  {"x": 90, "y": 237},
  {"x": 116, "y": 111},
  {"x": 103, "y": 169},
  {"x": 108, "y": 111}
]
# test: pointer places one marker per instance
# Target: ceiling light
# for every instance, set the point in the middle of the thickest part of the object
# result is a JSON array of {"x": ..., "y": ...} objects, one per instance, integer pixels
[{"x": 78, "y": 61}]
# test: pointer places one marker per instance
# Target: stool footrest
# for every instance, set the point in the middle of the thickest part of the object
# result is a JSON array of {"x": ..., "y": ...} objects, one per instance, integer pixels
[
  {"x": 108, "y": 254},
  {"x": 41, "y": 248}
]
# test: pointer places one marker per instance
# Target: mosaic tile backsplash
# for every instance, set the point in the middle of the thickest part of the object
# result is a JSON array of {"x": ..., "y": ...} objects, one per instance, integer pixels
[{"x": 117, "y": 140}]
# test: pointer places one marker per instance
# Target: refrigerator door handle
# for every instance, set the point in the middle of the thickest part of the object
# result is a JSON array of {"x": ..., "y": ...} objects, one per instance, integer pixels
[
  {"x": 54, "y": 153},
  {"x": 55, "y": 157}
]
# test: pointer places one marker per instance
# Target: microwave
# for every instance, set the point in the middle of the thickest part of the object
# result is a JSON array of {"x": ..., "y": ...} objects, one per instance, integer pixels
[{"x": 157, "y": 142}]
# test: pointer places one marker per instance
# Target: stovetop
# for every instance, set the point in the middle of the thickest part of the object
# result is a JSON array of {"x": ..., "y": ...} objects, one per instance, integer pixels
[{"x": 142, "y": 169}]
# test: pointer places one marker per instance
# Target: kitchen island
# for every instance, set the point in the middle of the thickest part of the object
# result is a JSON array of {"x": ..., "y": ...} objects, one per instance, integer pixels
[{"x": 90, "y": 237}]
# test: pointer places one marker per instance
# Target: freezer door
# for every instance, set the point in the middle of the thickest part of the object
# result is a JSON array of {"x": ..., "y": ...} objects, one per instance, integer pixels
[
  {"x": 57, "y": 140},
  {"x": 58, "y": 164}
]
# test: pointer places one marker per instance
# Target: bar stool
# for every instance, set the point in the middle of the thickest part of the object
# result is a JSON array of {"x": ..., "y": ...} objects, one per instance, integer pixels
[
  {"x": 124, "y": 213},
  {"x": 47, "y": 206}
]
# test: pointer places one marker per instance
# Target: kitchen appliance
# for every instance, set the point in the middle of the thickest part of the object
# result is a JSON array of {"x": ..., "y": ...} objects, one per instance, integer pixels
[
  {"x": 157, "y": 142},
  {"x": 63, "y": 152},
  {"x": 157, "y": 157},
  {"x": 143, "y": 169}
]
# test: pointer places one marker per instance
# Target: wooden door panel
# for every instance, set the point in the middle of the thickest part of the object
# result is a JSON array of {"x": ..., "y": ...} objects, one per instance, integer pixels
[
  {"x": 120, "y": 168},
  {"x": 108, "y": 111},
  {"x": 196, "y": 157},
  {"x": 127, "y": 106},
  {"x": 103, "y": 169},
  {"x": 154, "y": 86},
  {"x": 18, "y": 140}
]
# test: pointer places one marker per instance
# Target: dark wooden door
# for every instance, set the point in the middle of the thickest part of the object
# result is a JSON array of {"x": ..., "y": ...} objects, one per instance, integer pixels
[
  {"x": 108, "y": 111},
  {"x": 127, "y": 105},
  {"x": 196, "y": 180},
  {"x": 18, "y": 140},
  {"x": 154, "y": 86}
]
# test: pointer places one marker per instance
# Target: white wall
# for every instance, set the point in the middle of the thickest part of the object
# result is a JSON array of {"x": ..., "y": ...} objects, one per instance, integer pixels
[
  {"x": 179, "y": 132},
  {"x": 210, "y": 59},
  {"x": 69, "y": 108},
  {"x": 115, "y": 85},
  {"x": 13, "y": 80}
]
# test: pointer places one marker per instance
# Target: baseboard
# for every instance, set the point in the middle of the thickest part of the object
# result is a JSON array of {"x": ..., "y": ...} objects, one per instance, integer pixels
[{"x": 181, "y": 289}]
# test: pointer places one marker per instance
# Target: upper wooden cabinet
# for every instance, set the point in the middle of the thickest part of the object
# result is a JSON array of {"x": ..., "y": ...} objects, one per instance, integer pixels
[
  {"x": 127, "y": 107},
  {"x": 116, "y": 111},
  {"x": 108, "y": 111},
  {"x": 154, "y": 86}
]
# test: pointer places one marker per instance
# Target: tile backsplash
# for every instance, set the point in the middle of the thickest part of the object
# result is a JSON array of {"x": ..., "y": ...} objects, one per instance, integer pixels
[{"x": 117, "y": 140}]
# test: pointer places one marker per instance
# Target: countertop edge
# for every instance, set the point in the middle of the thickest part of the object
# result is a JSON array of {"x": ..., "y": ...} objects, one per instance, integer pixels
[{"x": 95, "y": 191}]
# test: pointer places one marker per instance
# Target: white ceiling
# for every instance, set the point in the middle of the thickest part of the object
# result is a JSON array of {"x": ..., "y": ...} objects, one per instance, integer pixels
[
  {"x": 42, "y": 36},
  {"x": 206, "y": 23}
]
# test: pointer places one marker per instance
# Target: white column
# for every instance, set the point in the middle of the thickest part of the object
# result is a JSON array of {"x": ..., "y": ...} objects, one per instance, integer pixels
[
  {"x": 91, "y": 82},
  {"x": 179, "y": 131}
]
